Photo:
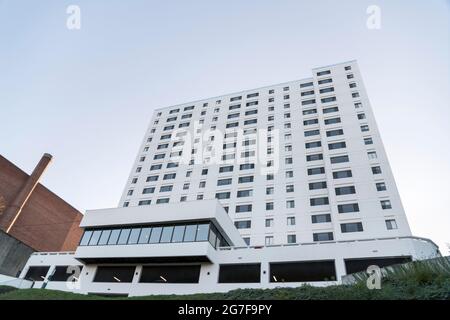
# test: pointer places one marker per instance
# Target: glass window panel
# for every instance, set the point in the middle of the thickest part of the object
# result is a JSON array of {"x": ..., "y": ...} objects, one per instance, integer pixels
[
  {"x": 104, "y": 237},
  {"x": 166, "y": 234},
  {"x": 189, "y": 234},
  {"x": 134, "y": 236},
  {"x": 86, "y": 236},
  {"x": 95, "y": 236},
  {"x": 178, "y": 233},
  {"x": 156, "y": 234},
  {"x": 145, "y": 235},
  {"x": 114, "y": 236},
  {"x": 202, "y": 232},
  {"x": 123, "y": 238}
]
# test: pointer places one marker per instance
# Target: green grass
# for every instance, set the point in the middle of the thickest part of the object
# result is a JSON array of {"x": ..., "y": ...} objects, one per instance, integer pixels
[{"x": 418, "y": 280}]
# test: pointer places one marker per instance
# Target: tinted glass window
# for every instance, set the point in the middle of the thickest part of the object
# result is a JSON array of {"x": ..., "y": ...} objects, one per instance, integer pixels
[
  {"x": 178, "y": 233},
  {"x": 134, "y": 236},
  {"x": 189, "y": 234},
  {"x": 145, "y": 235},
  {"x": 114, "y": 236},
  {"x": 156, "y": 234},
  {"x": 166, "y": 235},
  {"x": 124, "y": 234}
]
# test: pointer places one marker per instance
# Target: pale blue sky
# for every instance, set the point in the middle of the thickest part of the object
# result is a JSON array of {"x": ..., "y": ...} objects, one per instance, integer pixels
[{"x": 87, "y": 96}]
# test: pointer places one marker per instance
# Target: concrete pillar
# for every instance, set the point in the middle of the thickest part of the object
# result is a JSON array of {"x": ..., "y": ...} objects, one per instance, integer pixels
[{"x": 12, "y": 212}]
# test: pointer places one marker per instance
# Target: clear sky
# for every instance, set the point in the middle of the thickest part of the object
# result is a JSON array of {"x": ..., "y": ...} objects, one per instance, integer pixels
[{"x": 86, "y": 96}]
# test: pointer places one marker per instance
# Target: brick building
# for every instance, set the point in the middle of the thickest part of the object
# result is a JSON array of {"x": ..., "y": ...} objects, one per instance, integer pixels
[{"x": 32, "y": 218}]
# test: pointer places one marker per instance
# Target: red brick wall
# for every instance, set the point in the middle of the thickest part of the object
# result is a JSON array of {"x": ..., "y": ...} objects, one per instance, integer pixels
[{"x": 47, "y": 222}]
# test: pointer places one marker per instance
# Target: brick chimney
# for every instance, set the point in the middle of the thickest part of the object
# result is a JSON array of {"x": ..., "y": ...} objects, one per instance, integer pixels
[{"x": 13, "y": 210}]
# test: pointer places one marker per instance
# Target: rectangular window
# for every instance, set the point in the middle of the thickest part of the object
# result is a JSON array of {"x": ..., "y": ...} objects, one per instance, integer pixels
[
  {"x": 245, "y": 224},
  {"x": 224, "y": 182},
  {"x": 226, "y": 169},
  {"x": 330, "y": 110},
  {"x": 376, "y": 170},
  {"x": 243, "y": 208},
  {"x": 342, "y": 174},
  {"x": 314, "y": 171},
  {"x": 345, "y": 190},
  {"x": 315, "y": 144},
  {"x": 333, "y": 133},
  {"x": 312, "y": 133},
  {"x": 391, "y": 224},
  {"x": 291, "y": 238},
  {"x": 321, "y": 218},
  {"x": 323, "y": 236},
  {"x": 244, "y": 193},
  {"x": 337, "y": 145},
  {"x": 386, "y": 204},
  {"x": 310, "y": 122},
  {"x": 148, "y": 190},
  {"x": 347, "y": 208},
  {"x": 223, "y": 195},
  {"x": 319, "y": 201},
  {"x": 332, "y": 121},
  {"x": 351, "y": 227},
  {"x": 326, "y": 90},
  {"x": 314, "y": 157},
  {"x": 381, "y": 186},
  {"x": 269, "y": 206},
  {"x": 339, "y": 159},
  {"x": 247, "y": 166},
  {"x": 309, "y": 111},
  {"x": 317, "y": 185},
  {"x": 245, "y": 179},
  {"x": 322, "y": 73},
  {"x": 240, "y": 273},
  {"x": 327, "y": 100}
]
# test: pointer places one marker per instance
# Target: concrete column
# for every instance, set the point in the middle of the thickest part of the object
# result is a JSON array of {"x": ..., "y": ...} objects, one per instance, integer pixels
[{"x": 13, "y": 210}]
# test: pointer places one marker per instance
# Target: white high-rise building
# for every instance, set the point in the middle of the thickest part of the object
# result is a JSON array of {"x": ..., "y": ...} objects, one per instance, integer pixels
[{"x": 274, "y": 186}]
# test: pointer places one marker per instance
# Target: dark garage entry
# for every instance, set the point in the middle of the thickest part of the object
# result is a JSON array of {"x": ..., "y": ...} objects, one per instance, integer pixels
[{"x": 302, "y": 271}]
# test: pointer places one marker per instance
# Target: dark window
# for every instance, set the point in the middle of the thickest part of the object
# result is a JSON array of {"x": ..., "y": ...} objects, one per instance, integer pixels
[
  {"x": 376, "y": 170},
  {"x": 170, "y": 274},
  {"x": 62, "y": 273},
  {"x": 243, "y": 224},
  {"x": 342, "y": 174},
  {"x": 314, "y": 144},
  {"x": 339, "y": 159},
  {"x": 337, "y": 145},
  {"x": 330, "y": 110},
  {"x": 313, "y": 171},
  {"x": 307, "y": 84},
  {"x": 314, "y": 157},
  {"x": 240, "y": 273},
  {"x": 323, "y": 236},
  {"x": 345, "y": 190},
  {"x": 333, "y": 133},
  {"x": 310, "y": 121},
  {"x": 303, "y": 271},
  {"x": 332, "y": 121},
  {"x": 358, "y": 265},
  {"x": 226, "y": 169},
  {"x": 321, "y": 218},
  {"x": 37, "y": 273},
  {"x": 223, "y": 195},
  {"x": 322, "y": 73},
  {"x": 351, "y": 227},
  {"x": 317, "y": 185},
  {"x": 244, "y": 208},
  {"x": 114, "y": 274},
  {"x": 247, "y": 166},
  {"x": 349, "y": 207},
  {"x": 329, "y": 99},
  {"x": 312, "y": 133},
  {"x": 245, "y": 179},
  {"x": 323, "y": 81},
  {"x": 319, "y": 201}
]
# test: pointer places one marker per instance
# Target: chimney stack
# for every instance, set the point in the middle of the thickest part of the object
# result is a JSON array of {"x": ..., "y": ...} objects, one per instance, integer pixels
[{"x": 12, "y": 212}]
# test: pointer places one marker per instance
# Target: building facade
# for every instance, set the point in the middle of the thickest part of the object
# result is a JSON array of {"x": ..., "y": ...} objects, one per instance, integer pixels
[{"x": 275, "y": 186}]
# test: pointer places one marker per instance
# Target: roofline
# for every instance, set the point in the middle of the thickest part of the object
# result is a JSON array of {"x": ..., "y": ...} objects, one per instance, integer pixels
[{"x": 335, "y": 64}]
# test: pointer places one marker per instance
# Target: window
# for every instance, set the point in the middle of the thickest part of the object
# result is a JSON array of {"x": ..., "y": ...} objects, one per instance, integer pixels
[
  {"x": 291, "y": 238},
  {"x": 312, "y": 133},
  {"x": 371, "y": 155},
  {"x": 364, "y": 128},
  {"x": 270, "y": 176},
  {"x": 243, "y": 208},
  {"x": 169, "y": 176},
  {"x": 247, "y": 166},
  {"x": 245, "y": 224},
  {"x": 317, "y": 185},
  {"x": 226, "y": 169},
  {"x": 307, "y": 102},
  {"x": 339, "y": 159},
  {"x": 322, "y": 73},
  {"x": 321, "y": 218},
  {"x": 361, "y": 116},
  {"x": 349, "y": 207},
  {"x": 333, "y": 133},
  {"x": 351, "y": 227},
  {"x": 290, "y": 221},
  {"x": 315, "y": 144},
  {"x": 386, "y": 204},
  {"x": 323, "y": 236},
  {"x": 337, "y": 145},
  {"x": 224, "y": 182},
  {"x": 342, "y": 174},
  {"x": 223, "y": 195},
  {"x": 289, "y": 174},
  {"x": 152, "y": 178},
  {"x": 170, "y": 274},
  {"x": 381, "y": 186},
  {"x": 148, "y": 190},
  {"x": 355, "y": 95},
  {"x": 290, "y": 204},
  {"x": 269, "y": 206},
  {"x": 270, "y": 190},
  {"x": 269, "y": 223},
  {"x": 269, "y": 240},
  {"x": 330, "y": 110},
  {"x": 144, "y": 202},
  {"x": 350, "y": 76},
  {"x": 251, "y": 121},
  {"x": 321, "y": 201},
  {"x": 376, "y": 170},
  {"x": 345, "y": 190},
  {"x": 290, "y": 188},
  {"x": 244, "y": 193},
  {"x": 155, "y": 167},
  {"x": 159, "y": 156},
  {"x": 307, "y": 84},
  {"x": 130, "y": 192},
  {"x": 309, "y": 111},
  {"x": 307, "y": 93},
  {"x": 202, "y": 184},
  {"x": 368, "y": 141},
  {"x": 162, "y": 200},
  {"x": 391, "y": 224},
  {"x": 314, "y": 157},
  {"x": 245, "y": 179},
  {"x": 310, "y": 122},
  {"x": 314, "y": 171},
  {"x": 326, "y": 90},
  {"x": 114, "y": 274},
  {"x": 240, "y": 273},
  {"x": 329, "y": 99}
]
